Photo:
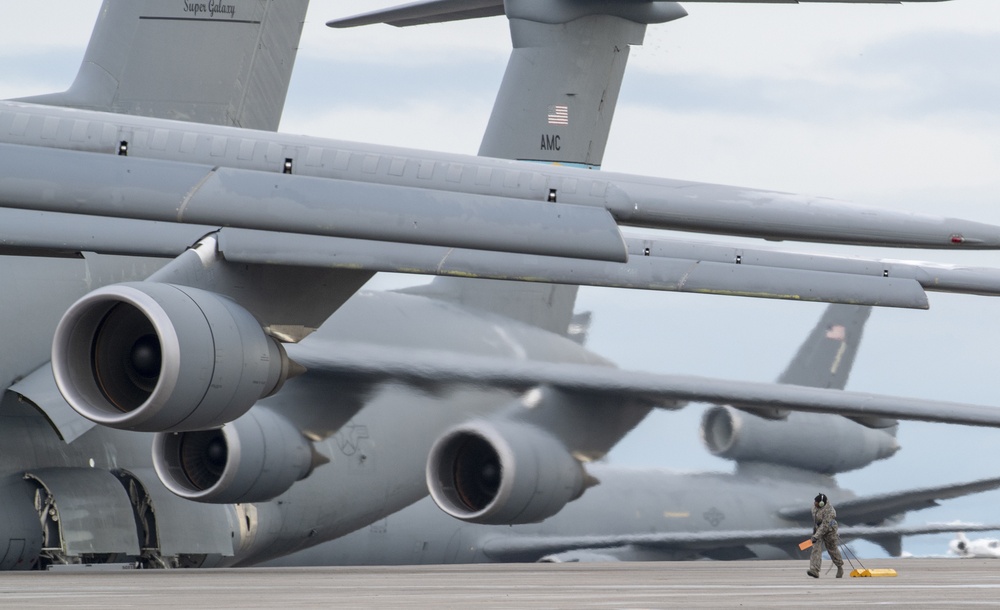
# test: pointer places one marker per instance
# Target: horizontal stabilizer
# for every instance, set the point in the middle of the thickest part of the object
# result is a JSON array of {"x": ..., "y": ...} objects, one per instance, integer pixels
[
  {"x": 420, "y": 13},
  {"x": 440, "y": 11},
  {"x": 872, "y": 509}
]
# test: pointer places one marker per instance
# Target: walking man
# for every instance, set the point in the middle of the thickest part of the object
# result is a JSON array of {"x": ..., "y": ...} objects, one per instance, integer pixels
[{"x": 824, "y": 534}]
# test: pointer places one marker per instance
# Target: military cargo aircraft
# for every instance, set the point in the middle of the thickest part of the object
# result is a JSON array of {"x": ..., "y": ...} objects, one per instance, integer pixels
[
  {"x": 640, "y": 515},
  {"x": 760, "y": 510},
  {"x": 188, "y": 266}
]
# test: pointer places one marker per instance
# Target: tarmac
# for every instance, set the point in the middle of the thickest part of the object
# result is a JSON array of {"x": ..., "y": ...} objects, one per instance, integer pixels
[{"x": 921, "y": 583}]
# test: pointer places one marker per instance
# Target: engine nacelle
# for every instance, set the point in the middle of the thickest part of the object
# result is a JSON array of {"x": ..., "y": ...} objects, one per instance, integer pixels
[
  {"x": 502, "y": 473},
  {"x": 809, "y": 441},
  {"x": 158, "y": 357},
  {"x": 253, "y": 459}
]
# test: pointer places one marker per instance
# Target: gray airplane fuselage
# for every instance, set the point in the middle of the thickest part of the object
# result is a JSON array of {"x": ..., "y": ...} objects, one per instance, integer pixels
[
  {"x": 376, "y": 437},
  {"x": 627, "y": 502}
]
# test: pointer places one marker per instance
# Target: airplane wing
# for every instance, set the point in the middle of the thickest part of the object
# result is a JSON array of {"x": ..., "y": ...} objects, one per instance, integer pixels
[
  {"x": 306, "y": 221},
  {"x": 504, "y": 547},
  {"x": 679, "y": 265},
  {"x": 59, "y": 234},
  {"x": 430, "y": 368},
  {"x": 869, "y": 509}
]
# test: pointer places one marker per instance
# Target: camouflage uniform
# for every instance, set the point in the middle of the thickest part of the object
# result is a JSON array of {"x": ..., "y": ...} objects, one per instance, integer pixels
[{"x": 825, "y": 534}]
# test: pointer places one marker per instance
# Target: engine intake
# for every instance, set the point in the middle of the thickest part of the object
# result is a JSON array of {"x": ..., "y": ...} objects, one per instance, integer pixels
[
  {"x": 253, "y": 459},
  {"x": 157, "y": 357},
  {"x": 502, "y": 473}
]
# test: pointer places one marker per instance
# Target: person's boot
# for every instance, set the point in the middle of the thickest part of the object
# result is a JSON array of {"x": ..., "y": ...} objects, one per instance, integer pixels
[
  {"x": 813, "y": 574},
  {"x": 840, "y": 571}
]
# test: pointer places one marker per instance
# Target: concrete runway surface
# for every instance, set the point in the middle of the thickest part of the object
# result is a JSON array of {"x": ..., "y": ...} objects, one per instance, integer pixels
[{"x": 922, "y": 583}]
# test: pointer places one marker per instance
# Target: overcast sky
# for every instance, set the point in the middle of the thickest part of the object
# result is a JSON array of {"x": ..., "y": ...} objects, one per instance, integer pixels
[{"x": 891, "y": 105}]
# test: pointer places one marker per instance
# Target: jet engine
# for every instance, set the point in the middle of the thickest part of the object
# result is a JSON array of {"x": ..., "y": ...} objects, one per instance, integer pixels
[
  {"x": 821, "y": 443},
  {"x": 157, "y": 357},
  {"x": 502, "y": 473},
  {"x": 253, "y": 459}
]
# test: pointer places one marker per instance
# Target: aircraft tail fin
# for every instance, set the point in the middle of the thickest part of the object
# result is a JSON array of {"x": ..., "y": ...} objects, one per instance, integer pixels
[
  {"x": 561, "y": 86},
  {"x": 559, "y": 92},
  {"x": 223, "y": 63},
  {"x": 826, "y": 357},
  {"x": 555, "y": 105}
]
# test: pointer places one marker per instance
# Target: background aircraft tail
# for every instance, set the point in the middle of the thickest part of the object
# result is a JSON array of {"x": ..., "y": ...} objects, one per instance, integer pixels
[
  {"x": 815, "y": 442},
  {"x": 555, "y": 105},
  {"x": 561, "y": 86},
  {"x": 826, "y": 357},
  {"x": 225, "y": 62},
  {"x": 559, "y": 92}
]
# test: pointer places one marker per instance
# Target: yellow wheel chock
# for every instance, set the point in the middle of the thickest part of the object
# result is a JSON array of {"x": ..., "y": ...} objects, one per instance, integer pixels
[{"x": 866, "y": 573}]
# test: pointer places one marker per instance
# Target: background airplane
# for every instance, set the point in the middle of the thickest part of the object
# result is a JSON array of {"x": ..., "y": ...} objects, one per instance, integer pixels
[
  {"x": 640, "y": 515},
  {"x": 985, "y": 401},
  {"x": 803, "y": 120},
  {"x": 963, "y": 546},
  {"x": 759, "y": 510}
]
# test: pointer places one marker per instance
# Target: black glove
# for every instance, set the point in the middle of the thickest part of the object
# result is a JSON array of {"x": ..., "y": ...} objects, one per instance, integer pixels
[{"x": 814, "y": 539}]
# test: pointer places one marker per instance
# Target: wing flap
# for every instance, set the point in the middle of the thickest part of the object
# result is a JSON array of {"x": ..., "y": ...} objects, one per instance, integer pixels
[
  {"x": 639, "y": 272},
  {"x": 30, "y": 233},
  {"x": 63, "y": 181}
]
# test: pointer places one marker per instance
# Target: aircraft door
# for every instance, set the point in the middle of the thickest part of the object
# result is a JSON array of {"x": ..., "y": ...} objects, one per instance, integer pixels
[
  {"x": 85, "y": 514},
  {"x": 20, "y": 532}
]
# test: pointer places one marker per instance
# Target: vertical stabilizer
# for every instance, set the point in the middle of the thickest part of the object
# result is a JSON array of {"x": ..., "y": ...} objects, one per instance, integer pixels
[
  {"x": 219, "y": 62},
  {"x": 826, "y": 357},
  {"x": 561, "y": 86},
  {"x": 555, "y": 105}
]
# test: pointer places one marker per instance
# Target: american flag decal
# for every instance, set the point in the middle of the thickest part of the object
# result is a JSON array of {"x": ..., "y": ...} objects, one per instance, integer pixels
[
  {"x": 558, "y": 115},
  {"x": 837, "y": 333}
]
